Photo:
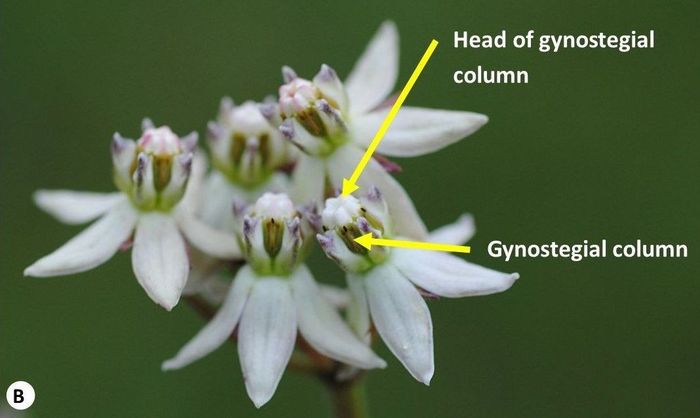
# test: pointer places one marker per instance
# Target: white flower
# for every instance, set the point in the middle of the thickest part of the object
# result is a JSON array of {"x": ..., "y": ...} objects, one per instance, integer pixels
[
  {"x": 152, "y": 174},
  {"x": 385, "y": 288},
  {"x": 333, "y": 122},
  {"x": 246, "y": 153},
  {"x": 271, "y": 298}
]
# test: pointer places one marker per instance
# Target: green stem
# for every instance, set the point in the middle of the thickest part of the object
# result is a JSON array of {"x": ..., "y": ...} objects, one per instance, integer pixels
[{"x": 348, "y": 398}]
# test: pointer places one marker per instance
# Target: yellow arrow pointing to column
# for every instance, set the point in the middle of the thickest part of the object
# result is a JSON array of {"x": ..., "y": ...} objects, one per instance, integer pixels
[
  {"x": 368, "y": 241},
  {"x": 350, "y": 186}
]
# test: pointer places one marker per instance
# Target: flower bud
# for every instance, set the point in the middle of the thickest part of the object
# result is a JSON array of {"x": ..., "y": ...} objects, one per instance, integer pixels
[
  {"x": 271, "y": 234},
  {"x": 312, "y": 111},
  {"x": 346, "y": 218},
  {"x": 244, "y": 147},
  {"x": 153, "y": 170}
]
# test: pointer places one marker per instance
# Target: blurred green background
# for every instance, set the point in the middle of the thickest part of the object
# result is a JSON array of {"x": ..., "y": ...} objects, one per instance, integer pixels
[{"x": 599, "y": 144}]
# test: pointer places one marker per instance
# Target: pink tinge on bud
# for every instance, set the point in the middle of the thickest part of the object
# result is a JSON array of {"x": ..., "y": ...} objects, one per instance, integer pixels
[
  {"x": 160, "y": 142},
  {"x": 297, "y": 96}
]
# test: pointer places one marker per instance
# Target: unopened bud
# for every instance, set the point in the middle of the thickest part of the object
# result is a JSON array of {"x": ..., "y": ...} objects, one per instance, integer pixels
[
  {"x": 271, "y": 233},
  {"x": 153, "y": 170},
  {"x": 346, "y": 218},
  {"x": 244, "y": 146},
  {"x": 313, "y": 111}
]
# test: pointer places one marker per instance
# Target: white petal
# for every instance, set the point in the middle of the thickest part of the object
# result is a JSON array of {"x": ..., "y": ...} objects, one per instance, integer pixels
[
  {"x": 92, "y": 247},
  {"x": 323, "y": 328},
  {"x": 450, "y": 276},
  {"x": 217, "y": 243},
  {"x": 358, "y": 309},
  {"x": 374, "y": 74},
  {"x": 417, "y": 131},
  {"x": 308, "y": 180},
  {"x": 216, "y": 205},
  {"x": 266, "y": 337},
  {"x": 402, "y": 319},
  {"x": 220, "y": 328},
  {"x": 338, "y": 297},
  {"x": 75, "y": 207},
  {"x": 406, "y": 220},
  {"x": 456, "y": 233},
  {"x": 159, "y": 258}
]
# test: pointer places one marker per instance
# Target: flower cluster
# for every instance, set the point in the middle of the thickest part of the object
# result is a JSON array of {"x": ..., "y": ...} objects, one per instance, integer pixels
[{"x": 238, "y": 234}]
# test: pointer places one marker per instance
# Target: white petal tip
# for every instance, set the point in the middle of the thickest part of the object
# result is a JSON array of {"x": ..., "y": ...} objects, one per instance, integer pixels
[
  {"x": 260, "y": 399},
  {"x": 168, "y": 305},
  {"x": 426, "y": 378},
  {"x": 39, "y": 197},
  {"x": 374, "y": 363},
  {"x": 169, "y": 365},
  {"x": 514, "y": 276},
  {"x": 466, "y": 217},
  {"x": 37, "y": 271},
  {"x": 389, "y": 25}
]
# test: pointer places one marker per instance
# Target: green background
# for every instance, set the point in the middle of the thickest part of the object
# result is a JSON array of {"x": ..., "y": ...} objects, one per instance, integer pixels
[{"x": 599, "y": 144}]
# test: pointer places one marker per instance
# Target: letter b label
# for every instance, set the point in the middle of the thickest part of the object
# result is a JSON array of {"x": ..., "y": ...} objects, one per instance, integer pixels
[{"x": 20, "y": 395}]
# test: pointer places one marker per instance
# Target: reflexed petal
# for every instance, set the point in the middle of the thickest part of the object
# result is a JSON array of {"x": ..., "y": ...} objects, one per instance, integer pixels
[
  {"x": 417, "y": 131},
  {"x": 219, "y": 329},
  {"x": 456, "y": 233},
  {"x": 75, "y": 207},
  {"x": 449, "y": 276},
  {"x": 358, "y": 309},
  {"x": 406, "y": 220},
  {"x": 216, "y": 207},
  {"x": 206, "y": 279},
  {"x": 92, "y": 247},
  {"x": 266, "y": 337},
  {"x": 159, "y": 258},
  {"x": 338, "y": 297},
  {"x": 323, "y": 328},
  {"x": 221, "y": 244},
  {"x": 402, "y": 319},
  {"x": 374, "y": 74},
  {"x": 308, "y": 180},
  {"x": 218, "y": 195}
]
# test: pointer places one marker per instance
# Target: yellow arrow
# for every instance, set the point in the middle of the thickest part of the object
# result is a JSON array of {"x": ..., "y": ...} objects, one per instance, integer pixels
[
  {"x": 367, "y": 241},
  {"x": 350, "y": 186}
]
